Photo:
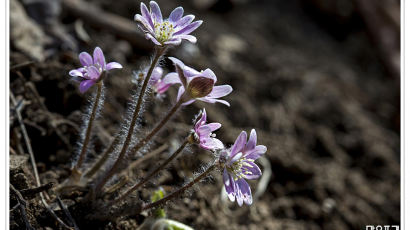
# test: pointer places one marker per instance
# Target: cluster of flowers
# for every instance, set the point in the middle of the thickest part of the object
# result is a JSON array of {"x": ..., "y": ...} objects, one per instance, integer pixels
[{"x": 236, "y": 162}]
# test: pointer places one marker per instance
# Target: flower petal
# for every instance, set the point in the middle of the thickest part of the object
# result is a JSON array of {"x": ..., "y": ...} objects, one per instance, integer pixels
[
  {"x": 229, "y": 185},
  {"x": 208, "y": 73},
  {"x": 181, "y": 91},
  {"x": 99, "y": 57},
  {"x": 239, "y": 144},
  {"x": 251, "y": 142},
  {"x": 156, "y": 11},
  {"x": 174, "y": 41},
  {"x": 147, "y": 16},
  {"x": 202, "y": 120},
  {"x": 211, "y": 143},
  {"x": 85, "y": 59},
  {"x": 76, "y": 73},
  {"x": 214, "y": 126},
  {"x": 188, "y": 37},
  {"x": 251, "y": 171},
  {"x": 113, "y": 65},
  {"x": 145, "y": 23},
  {"x": 220, "y": 91},
  {"x": 154, "y": 40},
  {"x": 93, "y": 73},
  {"x": 189, "y": 28},
  {"x": 257, "y": 152},
  {"x": 156, "y": 75},
  {"x": 176, "y": 15},
  {"x": 245, "y": 191},
  {"x": 85, "y": 85},
  {"x": 188, "y": 102},
  {"x": 184, "y": 21},
  {"x": 171, "y": 78},
  {"x": 212, "y": 100}
]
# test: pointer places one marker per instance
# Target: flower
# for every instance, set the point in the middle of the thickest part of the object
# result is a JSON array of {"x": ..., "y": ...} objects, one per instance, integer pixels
[
  {"x": 170, "y": 31},
  {"x": 197, "y": 85},
  {"x": 238, "y": 164},
  {"x": 203, "y": 134},
  {"x": 160, "y": 86},
  {"x": 92, "y": 68}
]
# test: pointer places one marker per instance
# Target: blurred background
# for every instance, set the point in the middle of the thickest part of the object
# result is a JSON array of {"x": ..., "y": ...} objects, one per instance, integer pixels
[{"x": 319, "y": 80}]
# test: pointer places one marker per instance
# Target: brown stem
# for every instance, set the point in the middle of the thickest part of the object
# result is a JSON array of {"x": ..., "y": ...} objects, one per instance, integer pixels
[
  {"x": 159, "y": 168},
  {"x": 158, "y": 127},
  {"x": 180, "y": 191},
  {"x": 127, "y": 141},
  {"x": 88, "y": 131},
  {"x": 90, "y": 173}
]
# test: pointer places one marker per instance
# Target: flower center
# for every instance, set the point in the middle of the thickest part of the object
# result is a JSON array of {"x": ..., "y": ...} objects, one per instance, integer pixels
[
  {"x": 163, "y": 31},
  {"x": 240, "y": 168}
]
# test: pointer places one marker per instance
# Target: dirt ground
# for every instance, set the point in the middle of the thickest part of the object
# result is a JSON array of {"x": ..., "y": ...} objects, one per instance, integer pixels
[{"x": 317, "y": 80}]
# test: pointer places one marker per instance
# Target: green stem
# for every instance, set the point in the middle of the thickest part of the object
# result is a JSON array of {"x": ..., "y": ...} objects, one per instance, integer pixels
[
  {"x": 180, "y": 191},
  {"x": 153, "y": 173},
  {"x": 114, "y": 168},
  {"x": 80, "y": 161}
]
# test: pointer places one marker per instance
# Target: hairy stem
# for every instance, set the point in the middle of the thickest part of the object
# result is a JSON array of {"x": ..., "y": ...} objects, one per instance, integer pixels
[
  {"x": 153, "y": 173},
  {"x": 80, "y": 161},
  {"x": 159, "y": 52},
  {"x": 158, "y": 127},
  {"x": 90, "y": 173},
  {"x": 180, "y": 191}
]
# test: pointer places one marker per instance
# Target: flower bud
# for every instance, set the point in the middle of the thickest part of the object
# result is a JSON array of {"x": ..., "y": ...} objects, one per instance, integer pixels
[{"x": 200, "y": 87}]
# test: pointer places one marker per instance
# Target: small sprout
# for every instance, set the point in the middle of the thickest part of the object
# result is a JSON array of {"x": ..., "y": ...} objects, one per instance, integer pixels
[
  {"x": 92, "y": 69},
  {"x": 170, "y": 31},
  {"x": 158, "y": 195},
  {"x": 238, "y": 165}
]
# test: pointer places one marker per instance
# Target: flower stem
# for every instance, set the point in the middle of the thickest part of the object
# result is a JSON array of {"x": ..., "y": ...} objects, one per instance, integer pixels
[
  {"x": 80, "y": 161},
  {"x": 180, "y": 191},
  {"x": 158, "y": 127},
  {"x": 159, "y": 52},
  {"x": 159, "y": 168},
  {"x": 90, "y": 173}
]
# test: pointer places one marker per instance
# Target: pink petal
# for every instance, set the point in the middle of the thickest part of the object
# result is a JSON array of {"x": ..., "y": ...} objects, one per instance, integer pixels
[
  {"x": 113, "y": 65},
  {"x": 93, "y": 73},
  {"x": 184, "y": 21},
  {"x": 99, "y": 57},
  {"x": 188, "y": 37},
  {"x": 171, "y": 78},
  {"x": 176, "y": 15},
  {"x": 189, "y": 28},
  {"x": 154, "y": 40},
  {"x": 85, "y": 59},
  {"x": 181, "y": 91},
  {"x": 174, "y": 41},
  {"x": 156, "y": 11},
  {"x": 239, "y": 144},
  {"x": 229, "y": 185},
  {"x": 220, "y": 91},
  {"x": 147, "y": 16},
  {"x": 85, "y": 85},
  {"x": 75, "y": 73},
  {"x": 252, "y": 141},
  {"x": 212, "y": 100}
]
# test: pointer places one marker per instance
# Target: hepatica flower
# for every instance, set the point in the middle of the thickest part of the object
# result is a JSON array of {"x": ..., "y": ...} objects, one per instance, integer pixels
[
  {"x": 92, "y": 69},
  {"x": 197, "y": 85},
  {"x": 238, "y": 163},
  {"x": 169, "y": 31},
  {"x": 204, "y": 136}
]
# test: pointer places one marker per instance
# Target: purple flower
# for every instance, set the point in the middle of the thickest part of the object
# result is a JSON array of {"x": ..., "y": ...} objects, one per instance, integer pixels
[
  {"x": 170, "y": 31},
  {"x": 238, "y": 163},
  {"x": 92, "y": 68},
  {"x": 197, "y": 85},
  {"x": 204, "y": 136}
]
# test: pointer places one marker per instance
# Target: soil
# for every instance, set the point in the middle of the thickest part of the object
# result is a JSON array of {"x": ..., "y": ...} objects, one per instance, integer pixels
[{"x": 311, "y": 81}]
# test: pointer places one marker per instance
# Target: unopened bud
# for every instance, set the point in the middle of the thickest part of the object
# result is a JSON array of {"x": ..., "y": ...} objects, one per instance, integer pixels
[{"x": 200, "y": 87}]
